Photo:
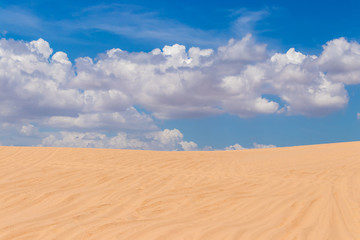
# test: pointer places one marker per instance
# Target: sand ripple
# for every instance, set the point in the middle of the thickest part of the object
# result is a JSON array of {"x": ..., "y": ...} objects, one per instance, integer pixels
[{"x": 309, "y": 192}]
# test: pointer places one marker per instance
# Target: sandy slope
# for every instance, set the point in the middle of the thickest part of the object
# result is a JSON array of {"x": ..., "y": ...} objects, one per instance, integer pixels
[{"x": 310, "y": 192}]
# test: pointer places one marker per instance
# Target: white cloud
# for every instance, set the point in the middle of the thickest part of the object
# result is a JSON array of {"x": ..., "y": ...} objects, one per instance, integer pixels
[
  {"x": 91, "y": 140},
  {"x": 129, "y": 119},
  {"x": 42, "y": 88},
  {"x": 175, "y": 83},
  {"x": 257, "y": 145},
  {"x": 157, "y": 140},
  {"x": 42, "y": 48},
  {"x": 234, "y": 147},
  {"x": 207, "y": 148},
  {"x": 188, "y": 146},
  {"x": 243, "y": 51},
  {"x": 358, "y": 115},
  {"x": 297, "y": 80},
  {"x": 170, "y": 83},
  {"x": 31, "y": 85},
  {"x": 29, "y": 130},
  {"x": 246, "y": 21},
  {"x": 341, "y": 60},
  {"x": 167, "y": 136}
]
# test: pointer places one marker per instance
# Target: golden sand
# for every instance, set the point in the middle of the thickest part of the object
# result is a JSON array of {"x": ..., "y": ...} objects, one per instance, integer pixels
[{"x": 307, "y": 192}]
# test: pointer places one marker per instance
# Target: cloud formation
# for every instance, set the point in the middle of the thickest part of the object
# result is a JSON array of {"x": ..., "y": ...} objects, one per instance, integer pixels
[
  {"x": 258, "y": 145},
  {"x": 42, "y": 88},
  {"x": 255, "y": 145},
  {"x": 157, "y": 140},
  {"x": 234, "y": 147},
  {"x": 235, "y": 79}
]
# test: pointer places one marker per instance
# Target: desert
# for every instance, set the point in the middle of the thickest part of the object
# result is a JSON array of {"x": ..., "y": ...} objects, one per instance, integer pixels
[{"x": 304, "y": 192}]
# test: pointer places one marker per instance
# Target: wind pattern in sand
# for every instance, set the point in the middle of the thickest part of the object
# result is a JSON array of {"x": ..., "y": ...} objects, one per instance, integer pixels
[{"x": 310, "y": 192}]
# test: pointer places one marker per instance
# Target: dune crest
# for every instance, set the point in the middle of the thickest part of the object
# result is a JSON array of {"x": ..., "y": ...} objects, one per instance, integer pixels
[{"x": 307, "y": 192}]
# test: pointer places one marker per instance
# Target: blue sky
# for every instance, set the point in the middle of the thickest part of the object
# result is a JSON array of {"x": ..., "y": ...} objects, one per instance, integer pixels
[{"x": 223, "y": 75}]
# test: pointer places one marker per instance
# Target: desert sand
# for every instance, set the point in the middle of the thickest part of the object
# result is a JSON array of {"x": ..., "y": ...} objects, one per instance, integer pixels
[{"x": 306, "y": 192}]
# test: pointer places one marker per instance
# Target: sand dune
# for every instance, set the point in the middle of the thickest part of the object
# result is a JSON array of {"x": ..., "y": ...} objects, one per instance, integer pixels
[{"x": 308, "y": 192}]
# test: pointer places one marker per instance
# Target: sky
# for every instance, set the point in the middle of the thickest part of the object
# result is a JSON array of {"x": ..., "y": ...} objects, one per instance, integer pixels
[{"x": 179, "y": 75}]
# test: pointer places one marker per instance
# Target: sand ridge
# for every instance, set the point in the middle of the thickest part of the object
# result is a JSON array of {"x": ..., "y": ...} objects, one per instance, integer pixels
[{"x": 306, "y": 192}]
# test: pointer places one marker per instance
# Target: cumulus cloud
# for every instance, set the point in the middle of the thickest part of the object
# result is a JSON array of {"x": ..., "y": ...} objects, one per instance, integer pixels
[
  {"x": 29, "y": 130},
  {"x": 32, "y": 85},
  {"x": 36, "y": 85},
  {"x": 255, "y": 145},
  {"x": 157, "y": 140},
  {"x": 188, "y": 146},
  {"x": 340, "y": 59},
  {"x": 129, "y": 119},
  {"x": 91, "y": 140},
  {"x": 175, "y": 83},
  {"x": 297, "y": 80},
  {"x": 234, "y": 147},
  {"x": 172, "y": 82},
  {"x": 43, "y": 88}
]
